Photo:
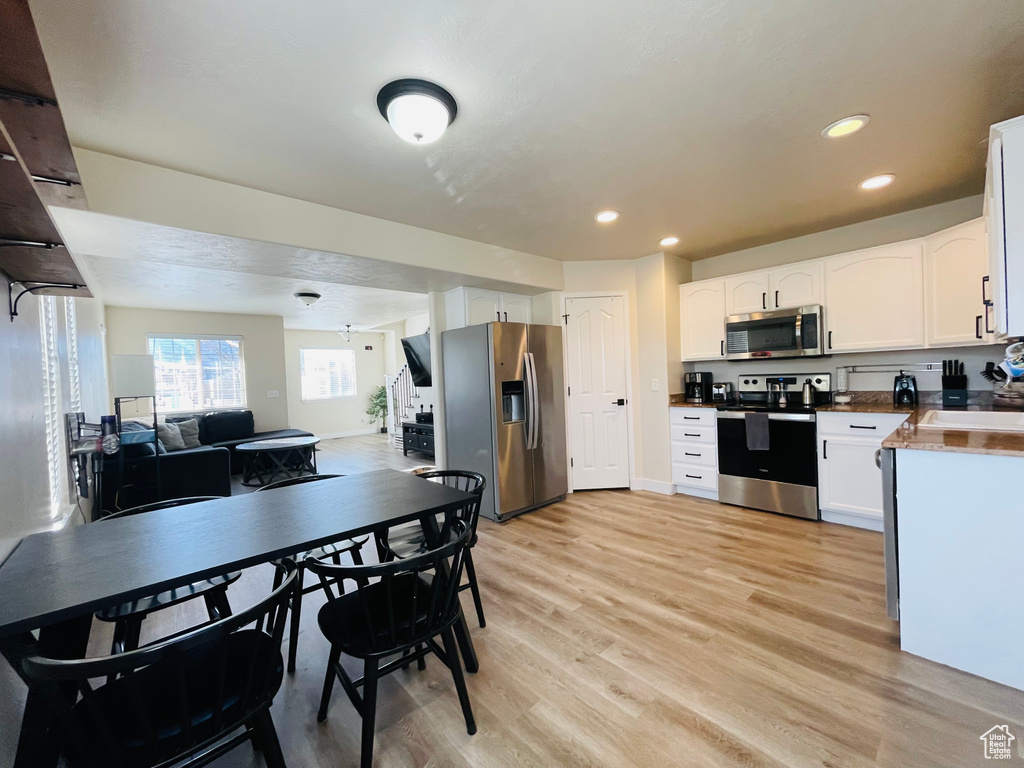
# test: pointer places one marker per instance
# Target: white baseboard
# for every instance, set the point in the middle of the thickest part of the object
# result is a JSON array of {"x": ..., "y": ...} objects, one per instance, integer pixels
[
  {"x": 350, "y": 433},
  {"x": 656, "y": 486},
  {"x": 700, "y": 493},
  {"x": 848, "y": 518}
]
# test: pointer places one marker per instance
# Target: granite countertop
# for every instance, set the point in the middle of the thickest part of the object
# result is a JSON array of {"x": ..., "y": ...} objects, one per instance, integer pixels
[{"x": 910, "y": 436}]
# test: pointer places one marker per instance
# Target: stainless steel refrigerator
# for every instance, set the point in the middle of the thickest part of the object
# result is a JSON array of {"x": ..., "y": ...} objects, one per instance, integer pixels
[{"x": 504, "y": 406}]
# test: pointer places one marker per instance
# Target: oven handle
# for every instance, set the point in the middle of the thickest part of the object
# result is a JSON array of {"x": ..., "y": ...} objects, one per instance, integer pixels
[{"x": 771, "y": 416}]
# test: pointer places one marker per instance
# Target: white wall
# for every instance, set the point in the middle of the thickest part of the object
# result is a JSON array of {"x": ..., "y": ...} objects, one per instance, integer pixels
[
  {"x": 339, "y": 417},
  {"x": 24, "y": 484},
  {"x": 262, "y": 349},
  {"x": 866, "y": 234}
]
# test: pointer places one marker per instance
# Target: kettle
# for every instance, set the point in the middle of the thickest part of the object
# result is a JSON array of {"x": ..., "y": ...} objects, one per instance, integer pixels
[
  {"x": 808, "y": 392},
  {"x": 904, "y": 389}
]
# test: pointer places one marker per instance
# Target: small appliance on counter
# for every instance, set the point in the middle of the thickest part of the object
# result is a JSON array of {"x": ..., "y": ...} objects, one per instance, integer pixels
[
  {"x": 697, "y": 387},
  {"x": 722, "y": 392},
  {"x": 904, "y": 389},
  {"x": 954, "y": 384}
]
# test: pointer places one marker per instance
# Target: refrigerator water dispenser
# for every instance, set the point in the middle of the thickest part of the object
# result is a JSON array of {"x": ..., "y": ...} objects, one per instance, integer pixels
[{"x": 513, "y": 401}]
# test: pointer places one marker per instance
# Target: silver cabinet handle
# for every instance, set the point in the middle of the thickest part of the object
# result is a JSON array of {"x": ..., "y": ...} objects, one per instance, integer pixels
[{"x": 878, "y": 458}]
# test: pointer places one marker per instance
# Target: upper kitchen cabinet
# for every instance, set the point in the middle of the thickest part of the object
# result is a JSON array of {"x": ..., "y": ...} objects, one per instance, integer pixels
[
  {"x": 475, "y": 306},
  {"x": 796, "y": 285},
  {"x": 1004, "y": 214},
  {"x": 956, "y": 286},
  {"x": 747, "y": 293},
  {"x": 702, "y": 320},
  {"x": 874, "y": 299}
]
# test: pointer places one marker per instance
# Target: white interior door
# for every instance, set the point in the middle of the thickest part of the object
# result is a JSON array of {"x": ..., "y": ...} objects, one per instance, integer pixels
[{"x": 596, "y": 351}]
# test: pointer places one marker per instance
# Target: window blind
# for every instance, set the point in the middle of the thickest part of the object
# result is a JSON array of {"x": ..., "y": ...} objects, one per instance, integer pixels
[
  {"x": 198, "y": 372},
  {"x": 51, "y": 401},
  {"x": 327, "y": 373}
]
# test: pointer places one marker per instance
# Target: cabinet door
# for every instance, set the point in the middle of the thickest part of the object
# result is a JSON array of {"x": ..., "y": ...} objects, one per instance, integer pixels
[
  {"x": 848, "y": 479},
  {"x": 796, "y": 285},
  {"x": 955, "y": 266},
  {"x": 702, "y": 320},
  {"x": 874, "y": 299},
  {"x": 481, "y": 306},
  {"x": 515, "y": 308},
  {"x": 747, "y": 293}
]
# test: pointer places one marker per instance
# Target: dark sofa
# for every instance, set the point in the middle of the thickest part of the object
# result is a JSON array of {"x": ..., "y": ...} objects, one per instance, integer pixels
[{"x": 202, "y": 471}]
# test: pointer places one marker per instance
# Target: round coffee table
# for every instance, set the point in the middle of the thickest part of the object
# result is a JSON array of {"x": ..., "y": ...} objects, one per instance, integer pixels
[{"x": 266, "y": 460}]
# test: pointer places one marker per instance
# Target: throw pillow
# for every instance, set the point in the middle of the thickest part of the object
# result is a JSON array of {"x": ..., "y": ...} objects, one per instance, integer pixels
[
  {"x": 189, "y": 432},
  {"x": 170, "y": 436}
]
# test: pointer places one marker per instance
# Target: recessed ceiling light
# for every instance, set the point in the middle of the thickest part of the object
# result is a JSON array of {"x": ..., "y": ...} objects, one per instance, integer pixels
[
  {"x": 845, "y": 127},
  {"x": 667, "y": 241},
  {"x": 877, "y": 182},
  {"x": 607, "y": 216},
  {"x": 417, "y": 110}
]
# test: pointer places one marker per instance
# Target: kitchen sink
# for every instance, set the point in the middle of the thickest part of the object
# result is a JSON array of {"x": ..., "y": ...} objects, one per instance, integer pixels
[{"x": 998, "y": 421}]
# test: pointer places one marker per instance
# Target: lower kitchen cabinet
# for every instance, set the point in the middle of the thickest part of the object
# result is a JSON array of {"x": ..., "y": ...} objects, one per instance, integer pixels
[
  {"x": 694, "y": 451},
  {"x": 849, "y": 477}
]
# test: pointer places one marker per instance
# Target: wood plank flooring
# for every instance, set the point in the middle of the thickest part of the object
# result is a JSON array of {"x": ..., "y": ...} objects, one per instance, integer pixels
[{"x": 633, "y": 629}]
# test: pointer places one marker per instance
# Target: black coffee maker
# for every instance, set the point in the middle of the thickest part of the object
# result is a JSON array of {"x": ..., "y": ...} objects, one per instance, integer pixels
[
  {"x": 697, "y": 387},
  {"x": 904, "y": 389}
]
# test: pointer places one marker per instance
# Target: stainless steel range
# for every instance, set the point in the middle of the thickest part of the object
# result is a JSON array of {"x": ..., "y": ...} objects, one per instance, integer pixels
[{"x": 768, "y": 446}]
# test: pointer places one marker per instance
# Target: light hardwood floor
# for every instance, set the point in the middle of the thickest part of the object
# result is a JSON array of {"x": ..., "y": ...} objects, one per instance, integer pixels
[{"x": 633, "y": 629}]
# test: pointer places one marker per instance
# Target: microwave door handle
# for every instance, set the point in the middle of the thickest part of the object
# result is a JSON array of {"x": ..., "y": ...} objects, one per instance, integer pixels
[{"x": 799, "y": 332}]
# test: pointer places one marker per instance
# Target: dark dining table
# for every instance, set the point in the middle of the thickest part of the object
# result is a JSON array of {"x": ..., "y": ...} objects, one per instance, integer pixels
[{"x": 54, "y": 582}]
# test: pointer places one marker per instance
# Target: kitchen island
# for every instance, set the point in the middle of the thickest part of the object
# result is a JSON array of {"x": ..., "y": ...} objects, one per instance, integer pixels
[{"x": 959, "y": 520}]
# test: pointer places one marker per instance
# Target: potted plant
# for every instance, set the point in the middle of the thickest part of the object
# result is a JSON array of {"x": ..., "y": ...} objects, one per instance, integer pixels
[{"x": 378, "y": 408}]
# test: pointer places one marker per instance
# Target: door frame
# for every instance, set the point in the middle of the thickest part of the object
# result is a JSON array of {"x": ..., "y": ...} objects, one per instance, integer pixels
[{"x": 624, "y": 295}]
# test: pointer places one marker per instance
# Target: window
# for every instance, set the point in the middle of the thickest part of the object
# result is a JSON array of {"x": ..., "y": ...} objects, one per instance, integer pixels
[
  {"x": 51, "y": 401},
  {"x": 74, "y": 373},
  {"x": 327, "y": 373},
  {"x": 194, "y": 373}
]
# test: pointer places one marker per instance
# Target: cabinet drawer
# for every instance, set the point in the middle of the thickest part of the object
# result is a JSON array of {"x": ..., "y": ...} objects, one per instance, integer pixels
[
  {"x": 695, "y": 453},
  {"x": 692, "y": 417},
  {"x": 866, "y": 425},
  {"x": 688, "y": 434},
  {"x": 695, "y": 476}
]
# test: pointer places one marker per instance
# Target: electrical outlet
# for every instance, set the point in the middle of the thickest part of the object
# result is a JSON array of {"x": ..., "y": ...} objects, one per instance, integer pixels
[
  {"x": 273, "y": 393},
  {"x": 655, "y": 385}
]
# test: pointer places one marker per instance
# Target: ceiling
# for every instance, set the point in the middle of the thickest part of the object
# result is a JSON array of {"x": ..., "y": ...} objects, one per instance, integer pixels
[{"x": 699, "y": 118}]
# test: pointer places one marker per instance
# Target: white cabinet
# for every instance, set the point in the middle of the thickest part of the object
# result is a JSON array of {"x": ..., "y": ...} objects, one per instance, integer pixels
[
  {"x": 874, "y": 299},
  {"x": 1004, "y": 214},
  {"x": 747, "y": 293},
  {"x": 475, "y": 306},
  {"x": 956, "y": 277},
  {"x": 849, "y": 480},
  {"x": 796, "y": 285},
  {"x": 694, "y": 451},
  {"x": 702, "y": 320}
]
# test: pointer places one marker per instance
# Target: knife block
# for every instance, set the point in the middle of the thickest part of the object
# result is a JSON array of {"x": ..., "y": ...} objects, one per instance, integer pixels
[{"x": 954, "y": 391}]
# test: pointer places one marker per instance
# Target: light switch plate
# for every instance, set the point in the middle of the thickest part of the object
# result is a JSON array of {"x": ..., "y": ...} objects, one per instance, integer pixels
[
  {"x": 655, "y": 385},
  {"x": 273, "y": 393}
]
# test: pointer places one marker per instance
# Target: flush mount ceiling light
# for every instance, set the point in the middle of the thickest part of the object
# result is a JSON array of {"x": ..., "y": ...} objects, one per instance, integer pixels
[
  {"x": 845, "y": 127},
  {"x": 606, "y": 217},
  {"x": 309, "y": 298},
  {"x": 417, "y": 110},
  {"x": 347, "y": 333},
  {"x": 877, "y": 182},
  {"x": 668, "y": 241}
]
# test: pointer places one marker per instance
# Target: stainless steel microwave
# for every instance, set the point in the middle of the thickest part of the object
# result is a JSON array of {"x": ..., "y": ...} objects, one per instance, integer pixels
[{"x": 796, "y": 332}]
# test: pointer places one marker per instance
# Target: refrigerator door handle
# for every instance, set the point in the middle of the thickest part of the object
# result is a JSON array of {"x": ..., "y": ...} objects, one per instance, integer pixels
[{"x": 532, "y": 405}]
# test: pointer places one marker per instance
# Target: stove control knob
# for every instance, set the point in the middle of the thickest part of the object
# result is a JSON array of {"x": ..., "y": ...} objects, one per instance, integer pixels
[
  {"x": 755, "y": 381},
  {"x": 746, "y": 381}
]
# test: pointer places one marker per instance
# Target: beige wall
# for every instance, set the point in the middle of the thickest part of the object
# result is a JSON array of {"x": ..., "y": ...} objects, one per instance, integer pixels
[
  {"x": 262, "y": 349},
  {"x": 866, "y": 234},
  {"x": 342, "y": 416},
  {"x": 24, "y": 479}
]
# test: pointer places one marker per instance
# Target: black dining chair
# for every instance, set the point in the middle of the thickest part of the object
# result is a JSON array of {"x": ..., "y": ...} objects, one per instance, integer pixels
[
  {"x": 128, "y": 617},
  {"x": 408, "y": 539},
  {"x": 333, "y": 551},
  {"x": 397, "y": 607},
  {"x": 181, "y": 701}
]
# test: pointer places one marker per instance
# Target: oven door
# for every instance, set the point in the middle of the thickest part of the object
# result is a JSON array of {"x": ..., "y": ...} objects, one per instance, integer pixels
[
  {"x": 782, "y": 333},
  {"x": 782, "y": 479}
]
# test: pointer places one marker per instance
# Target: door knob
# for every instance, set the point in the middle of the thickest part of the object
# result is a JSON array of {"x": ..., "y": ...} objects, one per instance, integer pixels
[{"x": 620, "y": 401}]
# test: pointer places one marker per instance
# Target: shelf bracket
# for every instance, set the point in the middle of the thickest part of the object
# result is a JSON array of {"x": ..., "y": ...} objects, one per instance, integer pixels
[{"x": 12, "y": 300}]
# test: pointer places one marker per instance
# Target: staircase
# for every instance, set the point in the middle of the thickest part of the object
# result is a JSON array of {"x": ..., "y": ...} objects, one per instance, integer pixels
[{"x": 401, "y": 394}]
